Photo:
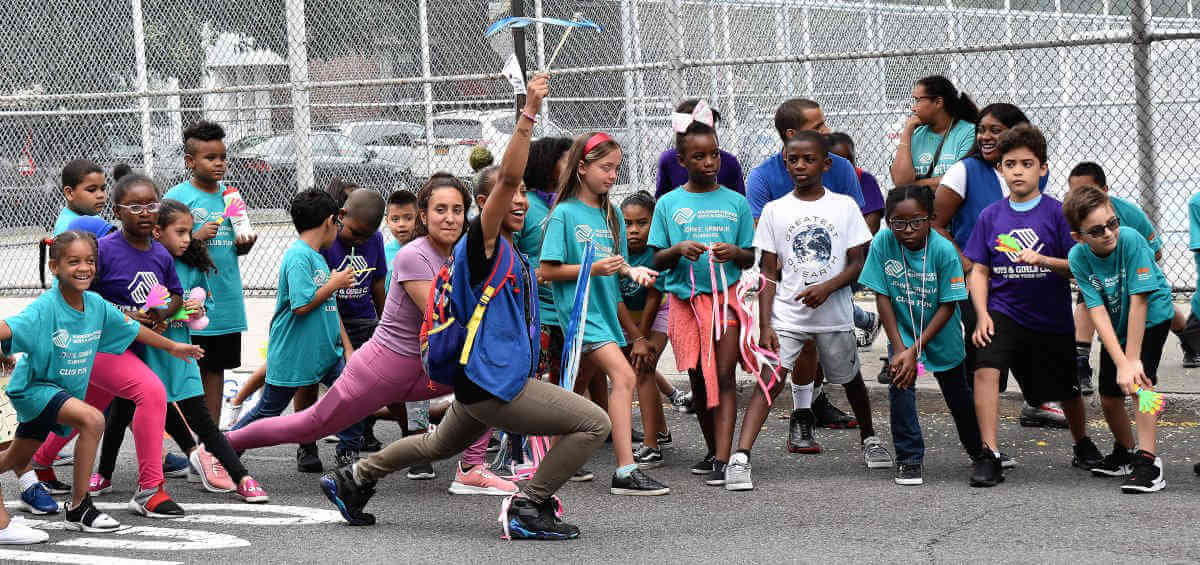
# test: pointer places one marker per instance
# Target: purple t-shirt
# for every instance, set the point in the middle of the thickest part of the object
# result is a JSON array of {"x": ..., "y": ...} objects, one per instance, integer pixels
[
  {"x": 671, "y": 174},
  {"x": 400, "y": 326},
  {"x": 125, "y": 274},
  {"x": 357, "y": 302},
  {"x": 1035, "y": 297},
  {"x": 872, "y": 196}
]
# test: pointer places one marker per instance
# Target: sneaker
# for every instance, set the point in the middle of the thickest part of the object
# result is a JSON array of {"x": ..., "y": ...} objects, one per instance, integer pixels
[
  {"x": 648, "y": 457},
  {"x": 348, "y": 496},
  {"x": 307, "y": 459},
  {"x": 664, "y": 438},
  {"x": 800, "y": 435},
  {"x": 175, "y": 466},
  {"x": 1048, "y": 415},
  {"x": 885, "y": 373},
  {"x": 344, "y": 458},
  {"x": 17, "y": 533},
  {"x": 1147, "y": 475},
  {"x": 330, "y": 439},
  {"x": 737, "y": 473},
  {"x": 524, "y": 519},
  {"x": 49, "y": 480},
  {"x": 85, "y": 518},
  {"x": 252, "y": 492},
  {"x": 421, "y": 472},
  {"x": 99, "y": 485},
  {"x": 830, "y": 416},
  {"x": 36, "y": 500},
  {"x": 875, "y": 454},
  {"x": 370, "y": 443},
  {"x": 1191, "y": 359},
  {"x": 1083, "y": 370},
  {"x": 154, "y": 503},
  {"x": 230, "y": 414},
  {"x": 1007, "y": 462},
  {"x": 479, "y": 480},
  {"x": 493, "y": 445},
  {"x": 704, "y": 466},
  {"x": 64, "y": 458},
  {"x": 206, "y": 470},
  {"x": 909, "y": 474},
  {"x": 866, "y": 336},
  {"x": 635, "y": 436},
  {"x": 716, "y": 478},
  {"x": 682, "y": 402},
  {"x": 987, "y": 471},
  {"x": 582, "y": 476},
  {"x": 637, "y": 483},
  {"x": 1087, "y": 455},
  {"x": 1116, "y": 464}
]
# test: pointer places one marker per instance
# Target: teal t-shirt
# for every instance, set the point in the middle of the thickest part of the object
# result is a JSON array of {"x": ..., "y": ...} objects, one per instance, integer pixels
[
  {"x": 918, "y": 282},
  {"x": 707, "y": 217},
  {"x": 228, "y": 314},
  {"x": 632, "y": 293},
  {"x": 1194, "y": 243},
  {"x": 390, "y": 249},
  {"x": 958, "y": 143},
  {"x": 59, "y": 345},
  {"x": 181, "y": 378},
  {"x": 1132, "y": 216},
  {"x": 301, "y": 349},
  {"x": 1110, "y": 281},
  {"x": 65, "y": 217},
  {"x": 570, "y": 226},
  {"x": 529, "y": 242}
]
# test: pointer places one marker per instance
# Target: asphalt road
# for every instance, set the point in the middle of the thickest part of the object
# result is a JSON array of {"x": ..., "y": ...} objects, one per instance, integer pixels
[{"x": 826, "y": 507}]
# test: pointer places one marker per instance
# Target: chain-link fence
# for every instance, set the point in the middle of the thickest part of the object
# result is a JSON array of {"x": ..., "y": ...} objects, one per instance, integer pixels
[{"x": 386, "y": 92}]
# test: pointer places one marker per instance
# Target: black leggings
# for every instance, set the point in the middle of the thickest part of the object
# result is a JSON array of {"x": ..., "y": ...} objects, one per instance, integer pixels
[{"x": 195, "y": 411}]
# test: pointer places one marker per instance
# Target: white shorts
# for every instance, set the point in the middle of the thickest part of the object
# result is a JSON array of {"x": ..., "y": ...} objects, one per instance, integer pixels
[{"x": 836, "y": 351}]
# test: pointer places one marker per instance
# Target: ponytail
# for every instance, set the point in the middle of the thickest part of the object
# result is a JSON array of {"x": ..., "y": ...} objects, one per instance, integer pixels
[{"x": 958, "y": 104}]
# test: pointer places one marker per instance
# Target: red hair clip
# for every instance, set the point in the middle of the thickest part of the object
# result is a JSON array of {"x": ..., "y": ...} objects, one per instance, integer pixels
[{"x": 593, "y": 141}]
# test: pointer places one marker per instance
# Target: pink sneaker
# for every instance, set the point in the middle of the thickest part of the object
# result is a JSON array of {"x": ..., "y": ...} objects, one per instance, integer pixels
[
  {"x": 206, "y": 470},
  {"x": 251, "y": 492},
  {"x": 479, "y": 480},
  {"x": 99, "y": 485}
]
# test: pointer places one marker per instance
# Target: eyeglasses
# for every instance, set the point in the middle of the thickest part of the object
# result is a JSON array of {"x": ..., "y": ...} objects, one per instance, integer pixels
[
  {"x": 1112, "y": 225},
  {"x": 918, "y": 99},
  {"x": 337, "y": 221},
  {"x": 905, "y": 225},
  {"x": 139, "y": 209}
]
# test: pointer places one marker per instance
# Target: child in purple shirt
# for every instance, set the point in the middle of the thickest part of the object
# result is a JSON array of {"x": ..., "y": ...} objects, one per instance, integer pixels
[{"x": 672, "y": 175}]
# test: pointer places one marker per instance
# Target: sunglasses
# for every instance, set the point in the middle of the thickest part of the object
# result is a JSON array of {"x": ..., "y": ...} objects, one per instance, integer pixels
[
  {"x": 905, "y": 225},
  {"x": 1098, "y": 231},
  {"x": 139, "y": 209}
]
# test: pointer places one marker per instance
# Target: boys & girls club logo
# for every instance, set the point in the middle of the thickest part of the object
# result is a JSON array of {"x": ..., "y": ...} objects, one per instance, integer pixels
[
  {"x": 200, "y": 215},
  {"x": 583, "y": 234},
  {"x": 320, "y": 277},
  {"x": 60, "y": 338},
  {"x": 893, "y": 268},
  {"x": 139, "y": 287},
  {"x": 683, "y": 215}
]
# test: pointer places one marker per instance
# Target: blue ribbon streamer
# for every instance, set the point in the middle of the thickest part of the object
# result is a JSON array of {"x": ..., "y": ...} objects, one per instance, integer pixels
[
  {"x": 510, "y": 22},
  {"x": 573, "y": 336}
]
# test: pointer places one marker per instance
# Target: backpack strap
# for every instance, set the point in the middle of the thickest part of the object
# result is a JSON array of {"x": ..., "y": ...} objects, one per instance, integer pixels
[{"x": 492, "y": 285}]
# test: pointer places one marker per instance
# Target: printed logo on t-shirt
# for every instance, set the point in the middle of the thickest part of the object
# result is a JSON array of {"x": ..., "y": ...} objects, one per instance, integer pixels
[
  {"x": 1095, "y": 280},
  {"x": 812, "y": 248},
  {"x": 925, "y": 158},
  {"x": 200, "y": 215},
  {"x": 629, "y": 287},
  {"x": 584, "y": 233},
  {"x": 1029, "y": 240},
  {"x": 60, "y": 338},
  {"x": 684, "y": 215},
  {"x": 893, "y": 268},
  {"x": 139, "y": 287},
  {"x": 358, "y": 264},
  {"x": 957, "y": 283},
  {"x": 319, "y": 277},
  {"x": 1143, "y": 274}
]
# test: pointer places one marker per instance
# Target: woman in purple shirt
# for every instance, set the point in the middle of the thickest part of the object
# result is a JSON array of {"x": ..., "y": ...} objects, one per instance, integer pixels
[{"x": 671, "y": 174}]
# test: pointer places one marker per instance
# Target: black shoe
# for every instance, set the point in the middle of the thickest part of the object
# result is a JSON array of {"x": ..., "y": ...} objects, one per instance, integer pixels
[
  {"x": 716, "y": 477},
  {"x": 1191, "y": 359},
  {"x": 345, "y": 458},
  {"x": 830, "y": 416},
  {"x": 348, "y": 496},
  {"x": 885, "y": 373},
  {"x": 909, "y": 474},
  {"x": 529, "y": 520},
  {"x": 1147, "y": 475},
  {"x": 637, "y": 484},
  {"x": 370, "y": 443},
  {"x": 493, "y": 445},
  {"x": 307, "y": 459},
  {"x": 582, "y": 476},
  {"x": 1007, "y": 462},
  {"x": 800, "y": 434},
  {"x": 421, "y": 472},
  {"x": 648, "y": 457},
  {"x": 1119, "y": 463},
  {"x": 664, "y": 438},
  {"x": 987, "y": 471},
  {"x": 705, "y": 466},
  {"x": 1196, "y": 468},
  {"x": 1087, "y": 455},
  {"x": 1084, "y": 371},
  {"x": 635, "y": 436}
]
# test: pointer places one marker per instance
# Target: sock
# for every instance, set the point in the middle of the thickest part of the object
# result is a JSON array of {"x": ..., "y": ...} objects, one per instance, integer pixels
[
  {"x": 746, "y": 451},
  {"x": 802, "y": 395},
  {"x": 28, "y": 479},
  {"x": 1083, "y": 350},
  {"x": 816, "y": 388},
  {"x": 624, "y": 470}
]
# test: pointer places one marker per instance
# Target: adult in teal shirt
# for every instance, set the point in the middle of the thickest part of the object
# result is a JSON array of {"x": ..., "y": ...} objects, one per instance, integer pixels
[
  {"x": 1129, "y": 269},
  {"x": 570, "y": 226},
  {"x": 717, "y": 216},
  {"x": 940, "y": 131}
]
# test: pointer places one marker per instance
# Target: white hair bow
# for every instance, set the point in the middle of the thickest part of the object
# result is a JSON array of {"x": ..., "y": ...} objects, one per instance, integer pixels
[{"x": 702, "y": 113}]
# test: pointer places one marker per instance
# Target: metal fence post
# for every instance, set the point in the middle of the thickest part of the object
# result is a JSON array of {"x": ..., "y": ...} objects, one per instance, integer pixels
[
  {"x": 675, "y": 20},
  {"x": 423, "y": 19},
  {"x": 301, "y": 108},
  {"x": 635, "y": 152},
  {"x": 143, "y": 86},
  {"x": 1144, "y": 114}
]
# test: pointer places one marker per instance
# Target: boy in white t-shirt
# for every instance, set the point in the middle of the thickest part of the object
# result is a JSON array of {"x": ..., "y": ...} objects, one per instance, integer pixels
[{"x": 813, "y": 246}]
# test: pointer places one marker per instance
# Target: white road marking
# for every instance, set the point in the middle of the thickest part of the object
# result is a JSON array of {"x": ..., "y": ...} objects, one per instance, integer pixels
[{"x": 17, "y": 555}]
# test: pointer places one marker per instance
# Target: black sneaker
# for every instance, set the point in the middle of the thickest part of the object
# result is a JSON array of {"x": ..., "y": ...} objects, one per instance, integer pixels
[
  {"x": 909, "y": 474},
  {"x": 307, "y": 459},
  {"x": 885, "y": 373},
  {"x": 1147, "y": 475},
  {"x": 1119, "y": 463},
  {"x": 529, "y": 520},
  {"x": 348, "y": 496},
  {"x": 493, "y": 445},
  {"x": 716, "y": 477},
  {"x": 1084, "y": 371},
  {"x": 1087, "y": 455},
  {"x": 421, "y": 472},
  {"x": 800, "y": 434},
  {"x": 1007, "y": 462},
  {"x": 830, "y": 416},
  {"x": 345, "y": 458},
  {"x": 987, "y": 471},
  {"x": 664, "y": 438},
  {"x": 1191, "y": 359},
  {"x": 705, "y": 466},
  {"x": 86, "y": 518},
  {"x": 370, "y": 443},
  {"x": 648, "y": 457},
  {"x": 635, "y": 436},
  {"x": 637, "y": 484}
]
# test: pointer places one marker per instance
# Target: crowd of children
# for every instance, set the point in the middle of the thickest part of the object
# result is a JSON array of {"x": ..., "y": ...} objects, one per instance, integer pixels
[{"x": 971, "y": 264}]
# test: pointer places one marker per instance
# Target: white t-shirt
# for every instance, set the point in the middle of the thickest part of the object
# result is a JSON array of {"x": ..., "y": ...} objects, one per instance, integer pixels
[
  {"x": 956, "y": 179},
  {"x": 810, "y": 240}
]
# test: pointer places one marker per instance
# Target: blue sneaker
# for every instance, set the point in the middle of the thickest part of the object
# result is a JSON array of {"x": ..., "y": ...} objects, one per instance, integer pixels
[
  {"x": 36, "y": 500},
  {"x": 175, "y": 466}
]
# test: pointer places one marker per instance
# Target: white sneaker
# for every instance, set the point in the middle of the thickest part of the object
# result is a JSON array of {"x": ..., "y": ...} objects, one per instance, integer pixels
[
  {"x": 875, "y": 454},
  {"x": 230, "y": 414},
  {"x": 17, "y": 533},
  {"x": 737, "y": 473}
]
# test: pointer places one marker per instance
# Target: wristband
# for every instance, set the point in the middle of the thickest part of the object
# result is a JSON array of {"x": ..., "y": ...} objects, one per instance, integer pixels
[
  {"x": 531, "y": 117},
  {"x": 640, "y": 338}
]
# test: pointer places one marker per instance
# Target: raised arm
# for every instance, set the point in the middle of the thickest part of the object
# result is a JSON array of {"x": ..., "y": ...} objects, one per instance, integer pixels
[{"x": 512, "y": 165}]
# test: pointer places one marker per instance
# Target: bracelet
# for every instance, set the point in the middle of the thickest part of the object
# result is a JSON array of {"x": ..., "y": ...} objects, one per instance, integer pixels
[
  {"x": 531, "y": 117},
  {"x": 640, "y": 338}
]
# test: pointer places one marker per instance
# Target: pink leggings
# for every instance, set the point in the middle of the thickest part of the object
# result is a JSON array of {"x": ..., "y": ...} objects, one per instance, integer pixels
[
  {"x": 127, "y": 377},
  {"x": 375, "y": 377}
]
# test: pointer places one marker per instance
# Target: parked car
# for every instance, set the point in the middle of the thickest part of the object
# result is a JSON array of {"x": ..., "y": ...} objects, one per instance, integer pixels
[
  {"x": 391, "y": 140},
  {"x": 266, "y": 173},
  {"x": 455, "y": 134}
]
